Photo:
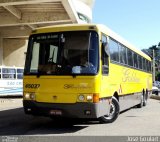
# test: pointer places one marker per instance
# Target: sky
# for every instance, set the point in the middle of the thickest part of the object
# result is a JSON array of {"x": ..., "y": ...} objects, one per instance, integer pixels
[{"x": 137, "y": 21}]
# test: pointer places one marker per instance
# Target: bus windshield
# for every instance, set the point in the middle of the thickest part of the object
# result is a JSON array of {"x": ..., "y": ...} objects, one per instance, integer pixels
[{"x": 63, "y": 53}]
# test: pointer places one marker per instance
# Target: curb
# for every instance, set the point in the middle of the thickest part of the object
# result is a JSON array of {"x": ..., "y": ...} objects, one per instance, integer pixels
[
  {"x": 5, "y": 101},
  {"x": 155, "y": 97}
]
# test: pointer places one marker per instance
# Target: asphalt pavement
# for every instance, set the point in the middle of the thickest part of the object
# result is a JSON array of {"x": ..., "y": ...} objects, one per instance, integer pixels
[{"x": 135, "y": 121}]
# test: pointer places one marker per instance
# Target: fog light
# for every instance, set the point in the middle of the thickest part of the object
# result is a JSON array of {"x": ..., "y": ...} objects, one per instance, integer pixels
[
  {"x": 87, "y": 112},
  {"x": 81, "y": 98},
  {"x": 29, "y": 109}
]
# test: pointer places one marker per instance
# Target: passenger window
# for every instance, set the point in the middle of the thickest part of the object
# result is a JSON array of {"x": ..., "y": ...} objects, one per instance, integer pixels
[
  {"x": 123, "y": 58},
  {"x": 130, "y": 57},
  {"x": 114, "y": 50},
  {"x": 150, "y": 67},
  {"x": 135, "y": 60},
  {"x": 144, "y": 64},
  {"x": 20, "y": 73},
  {"x": 140, "y": 62},
  {"x": 8, "y": 73}
]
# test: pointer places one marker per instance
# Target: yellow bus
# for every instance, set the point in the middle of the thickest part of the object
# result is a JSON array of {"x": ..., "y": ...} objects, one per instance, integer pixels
[{"x": 83, "y": 71}]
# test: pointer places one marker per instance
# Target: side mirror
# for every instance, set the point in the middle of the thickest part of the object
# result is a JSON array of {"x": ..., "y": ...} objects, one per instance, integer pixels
[
  {"x": 105, "y": 49},
  {"x": 105, "y": 62}
]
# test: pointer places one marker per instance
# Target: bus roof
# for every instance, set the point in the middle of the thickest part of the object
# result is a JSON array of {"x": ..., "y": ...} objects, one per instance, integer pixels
[{"x": 97, "y": 27}]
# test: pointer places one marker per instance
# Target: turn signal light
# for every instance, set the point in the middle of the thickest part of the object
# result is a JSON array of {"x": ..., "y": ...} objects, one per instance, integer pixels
[{"x": 95, "y": 98}]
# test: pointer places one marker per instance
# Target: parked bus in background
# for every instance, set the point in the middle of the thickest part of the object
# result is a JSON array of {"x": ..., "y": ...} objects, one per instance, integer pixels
[
  {"x": 112, "y": 76},
  {"x": 11, "y": 83}
]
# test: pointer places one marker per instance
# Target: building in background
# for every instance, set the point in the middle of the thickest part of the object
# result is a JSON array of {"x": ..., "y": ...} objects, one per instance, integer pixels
[{"x": 20, "y": 17}]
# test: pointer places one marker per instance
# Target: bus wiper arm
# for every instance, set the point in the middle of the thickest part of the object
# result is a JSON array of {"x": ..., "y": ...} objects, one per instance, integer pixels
[{"x": 39, "y": 73}]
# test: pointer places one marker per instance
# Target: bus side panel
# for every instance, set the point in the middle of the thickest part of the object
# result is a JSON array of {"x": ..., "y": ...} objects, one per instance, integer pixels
[{"x": 128, "y": 83}]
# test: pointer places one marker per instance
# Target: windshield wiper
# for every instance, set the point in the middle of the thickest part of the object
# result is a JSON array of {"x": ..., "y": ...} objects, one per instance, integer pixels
[{"x": 39, "y": 73}]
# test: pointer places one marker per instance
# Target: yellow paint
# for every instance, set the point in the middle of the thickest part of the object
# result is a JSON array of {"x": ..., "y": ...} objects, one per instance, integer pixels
[{"x": 66, "y": 89}]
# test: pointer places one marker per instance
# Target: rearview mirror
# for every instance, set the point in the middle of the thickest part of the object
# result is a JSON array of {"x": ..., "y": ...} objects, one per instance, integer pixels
[{"x": 105, "y": 49}]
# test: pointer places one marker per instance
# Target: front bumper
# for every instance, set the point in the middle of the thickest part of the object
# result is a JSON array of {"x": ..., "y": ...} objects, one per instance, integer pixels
[{"x": 77, "y": 110}]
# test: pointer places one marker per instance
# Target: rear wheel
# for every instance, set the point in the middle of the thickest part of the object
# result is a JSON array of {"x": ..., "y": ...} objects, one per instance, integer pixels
[
  {"x": 114, "y": 112},
  {"x": 141, "y": 103},
  {"x": 145, "y": 98}
]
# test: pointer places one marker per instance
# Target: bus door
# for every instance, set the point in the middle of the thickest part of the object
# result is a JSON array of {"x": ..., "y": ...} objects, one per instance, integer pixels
[{"x": 105, "y": 67}]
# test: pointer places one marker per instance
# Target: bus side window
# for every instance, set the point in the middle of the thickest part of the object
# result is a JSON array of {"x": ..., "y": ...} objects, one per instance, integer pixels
[{"x": 105, "y": 56}]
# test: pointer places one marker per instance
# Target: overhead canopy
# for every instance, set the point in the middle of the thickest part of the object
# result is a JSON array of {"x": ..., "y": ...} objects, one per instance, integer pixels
[{"x": 19, "y": 17}]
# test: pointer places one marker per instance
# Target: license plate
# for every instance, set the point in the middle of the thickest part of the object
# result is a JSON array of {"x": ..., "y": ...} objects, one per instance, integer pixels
[{"x": 56, "y": 112}]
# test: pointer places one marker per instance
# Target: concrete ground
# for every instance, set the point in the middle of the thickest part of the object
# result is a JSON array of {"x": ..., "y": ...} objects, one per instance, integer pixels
[{"x": 10, "y": 103}]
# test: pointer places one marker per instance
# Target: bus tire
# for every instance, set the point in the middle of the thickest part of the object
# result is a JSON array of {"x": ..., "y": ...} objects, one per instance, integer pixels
[
  {"x": 140, "y": 105},
  {"x": 145, "y": 98},
  {"x": 114, "y": 112}
]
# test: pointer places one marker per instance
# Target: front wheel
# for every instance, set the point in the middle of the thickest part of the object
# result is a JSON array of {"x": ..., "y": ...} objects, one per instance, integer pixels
[{"x": 114, "y": 112}]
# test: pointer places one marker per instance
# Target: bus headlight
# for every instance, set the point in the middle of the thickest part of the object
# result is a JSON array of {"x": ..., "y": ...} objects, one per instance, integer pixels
[
  {"x": 29, "y": 96},
  {"x": 85, "y": 97},
  {"x": 81, "y": 97}
]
